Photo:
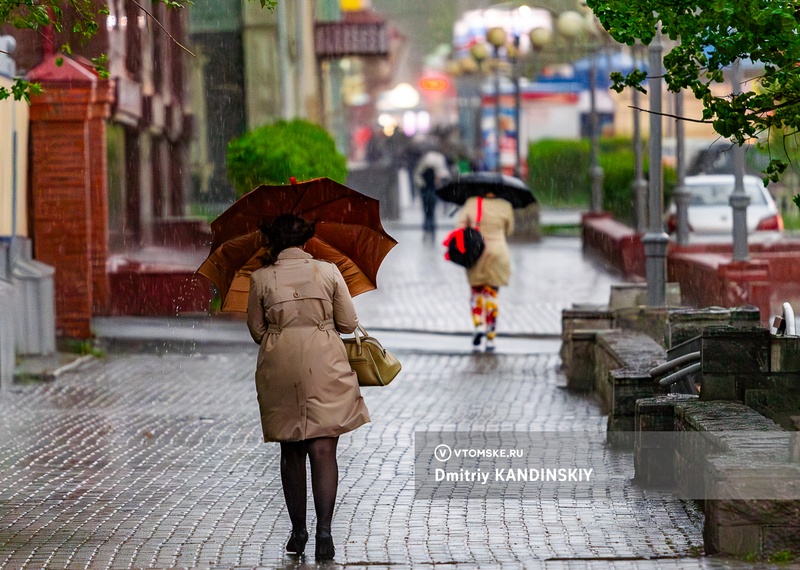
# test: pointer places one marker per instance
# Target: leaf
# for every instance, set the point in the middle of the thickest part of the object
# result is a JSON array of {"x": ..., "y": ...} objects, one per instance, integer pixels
[{"x": 269, "y": 4}]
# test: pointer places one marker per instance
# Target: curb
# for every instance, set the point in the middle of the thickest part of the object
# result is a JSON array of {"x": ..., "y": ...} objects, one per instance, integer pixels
[{"x": 43, "y": 373}]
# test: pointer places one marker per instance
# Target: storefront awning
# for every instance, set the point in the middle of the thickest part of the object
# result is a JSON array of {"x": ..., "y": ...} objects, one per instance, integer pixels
[{"x": 360, "y": 33}]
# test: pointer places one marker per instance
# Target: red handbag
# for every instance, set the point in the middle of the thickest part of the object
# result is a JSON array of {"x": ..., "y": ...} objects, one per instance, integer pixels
[{"x": 465, "y": 245}]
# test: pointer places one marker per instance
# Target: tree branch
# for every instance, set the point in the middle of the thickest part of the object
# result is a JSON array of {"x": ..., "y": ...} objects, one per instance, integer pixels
[
  {"x": 671, "y": 116},
  {"x": 160, "y": 25}
]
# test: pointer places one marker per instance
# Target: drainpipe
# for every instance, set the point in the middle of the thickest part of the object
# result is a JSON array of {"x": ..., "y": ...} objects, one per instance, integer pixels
[
  {"x": 14, "y": 183},
  {"x": 301, "y": 59},
  {"x": 283, "y": 57}
]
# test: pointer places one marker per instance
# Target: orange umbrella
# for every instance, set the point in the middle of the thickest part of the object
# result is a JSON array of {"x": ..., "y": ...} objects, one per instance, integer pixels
[{"x": 348, "y": 233}]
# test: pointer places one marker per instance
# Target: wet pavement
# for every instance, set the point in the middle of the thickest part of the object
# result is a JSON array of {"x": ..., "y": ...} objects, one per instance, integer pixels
[{"x": 150, "y": 456}]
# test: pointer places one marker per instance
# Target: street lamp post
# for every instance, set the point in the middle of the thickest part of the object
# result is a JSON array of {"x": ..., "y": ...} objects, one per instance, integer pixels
[
  {"x": 655, "y": 241},
  {"x": 595, "y": 170},
  {"x": 539, "y": 38},
  {"x": 569, "y": 24},
  {"x": 513, "y": 53},
  {"x": 497, "y": 37},
  {"x": 478, "y": 53}
]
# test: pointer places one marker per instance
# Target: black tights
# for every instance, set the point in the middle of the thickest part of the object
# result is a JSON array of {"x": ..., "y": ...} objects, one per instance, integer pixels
[{"x": 321, "y": 452}]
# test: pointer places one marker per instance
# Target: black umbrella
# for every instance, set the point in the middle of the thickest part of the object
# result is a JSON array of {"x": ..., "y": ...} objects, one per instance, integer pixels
[{"x": 482, "y": 183}]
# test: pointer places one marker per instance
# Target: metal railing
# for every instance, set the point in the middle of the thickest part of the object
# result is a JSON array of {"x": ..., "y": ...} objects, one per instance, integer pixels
[
  {"x": 786, "y": 325},
  {"x": 679, "y": 381}
]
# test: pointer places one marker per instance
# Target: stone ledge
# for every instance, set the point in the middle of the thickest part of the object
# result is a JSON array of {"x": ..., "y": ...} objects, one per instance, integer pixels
[
  {"x": 623, "y": 360},
  {"x": 749, "y": 485}
]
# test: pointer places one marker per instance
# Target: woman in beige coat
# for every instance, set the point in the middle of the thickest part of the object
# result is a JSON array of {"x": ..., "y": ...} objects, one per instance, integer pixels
[
  {"x": 307, "y": 393},
  {"x": 493, "y": 268}
]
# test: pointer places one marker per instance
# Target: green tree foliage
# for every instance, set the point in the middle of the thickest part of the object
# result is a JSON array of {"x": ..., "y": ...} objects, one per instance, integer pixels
[
  {"x": 273, "y": 153},
  {"x": 85, "y": 17},
  {"x": 712, "y": 34}
]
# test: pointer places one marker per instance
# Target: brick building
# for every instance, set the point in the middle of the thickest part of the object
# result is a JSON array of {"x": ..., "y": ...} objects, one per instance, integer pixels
[{"x": 108, "y": 156}]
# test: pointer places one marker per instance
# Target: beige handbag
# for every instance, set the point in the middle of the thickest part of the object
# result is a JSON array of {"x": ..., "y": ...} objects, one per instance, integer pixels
[{"x": 373, "y": 364}]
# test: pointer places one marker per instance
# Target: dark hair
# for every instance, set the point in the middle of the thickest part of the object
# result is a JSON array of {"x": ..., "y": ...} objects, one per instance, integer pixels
[{"x": 287, "y": 230}]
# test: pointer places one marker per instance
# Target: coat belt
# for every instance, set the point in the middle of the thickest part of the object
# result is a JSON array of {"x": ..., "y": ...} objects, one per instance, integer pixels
[{"x": 322, "y": 325}]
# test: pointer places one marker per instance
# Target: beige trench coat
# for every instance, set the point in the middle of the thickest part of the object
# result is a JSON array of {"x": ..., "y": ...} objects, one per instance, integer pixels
[
  {"x": 497, "y": 222},
  {"x": 304, "y": 382}
]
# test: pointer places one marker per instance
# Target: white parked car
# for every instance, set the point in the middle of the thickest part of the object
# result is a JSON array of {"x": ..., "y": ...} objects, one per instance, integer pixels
[{"x": 710, "y": 212}]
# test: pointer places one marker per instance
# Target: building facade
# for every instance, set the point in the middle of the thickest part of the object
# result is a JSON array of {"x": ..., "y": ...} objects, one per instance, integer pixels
[{"x": 110, "y": 149}]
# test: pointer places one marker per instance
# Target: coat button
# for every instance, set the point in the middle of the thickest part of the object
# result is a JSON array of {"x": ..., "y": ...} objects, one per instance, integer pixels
[
  {"x": 321, "y": 326},
  {"x": 296, "y": 294}
]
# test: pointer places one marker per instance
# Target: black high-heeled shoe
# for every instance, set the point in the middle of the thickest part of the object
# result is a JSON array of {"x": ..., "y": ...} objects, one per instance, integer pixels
[
  {"x": 323, "y": 549},
  {"x": 297, "y": 542}
]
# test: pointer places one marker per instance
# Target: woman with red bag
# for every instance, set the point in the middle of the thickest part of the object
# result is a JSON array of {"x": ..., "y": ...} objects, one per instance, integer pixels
[{"x": 493, "y": 268}]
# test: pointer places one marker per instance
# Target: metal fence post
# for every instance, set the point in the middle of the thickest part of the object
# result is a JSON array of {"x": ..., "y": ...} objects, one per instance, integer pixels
[
  {"x": 639, "y": 183},
  {"x": 739, "y": 200},
  {"x": 681, "y": 195}
]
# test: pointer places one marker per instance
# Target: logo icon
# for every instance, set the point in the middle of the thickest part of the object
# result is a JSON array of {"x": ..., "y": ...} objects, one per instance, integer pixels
[{"x": 442, "y": 452}]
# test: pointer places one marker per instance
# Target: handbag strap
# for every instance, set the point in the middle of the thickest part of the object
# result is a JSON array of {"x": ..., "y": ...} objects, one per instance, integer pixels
[
  {"x": 480, "y": 213},
  {"x": 365, "y": 334}
]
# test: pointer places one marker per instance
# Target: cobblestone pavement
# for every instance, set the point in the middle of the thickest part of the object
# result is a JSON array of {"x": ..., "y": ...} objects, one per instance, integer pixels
[
  {"x": 154, "y": 460},
  {"x": 150, "y": 457}
]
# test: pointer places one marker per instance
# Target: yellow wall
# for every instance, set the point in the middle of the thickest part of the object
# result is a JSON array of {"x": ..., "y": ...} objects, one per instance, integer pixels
[{"x": 13, "y": 114}]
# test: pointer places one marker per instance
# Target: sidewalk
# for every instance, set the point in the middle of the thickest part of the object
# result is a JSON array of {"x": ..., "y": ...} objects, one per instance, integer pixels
[{"x": 150, "y": 457}]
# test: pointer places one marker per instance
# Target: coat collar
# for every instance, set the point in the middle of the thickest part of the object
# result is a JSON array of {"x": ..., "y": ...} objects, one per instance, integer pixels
[{"x": 293, "y": 253}]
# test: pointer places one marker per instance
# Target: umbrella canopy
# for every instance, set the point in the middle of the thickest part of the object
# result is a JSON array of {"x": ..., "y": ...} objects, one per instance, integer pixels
[
  {"x": 482, "y": 183},
  {"x": 348, "y": 233}
]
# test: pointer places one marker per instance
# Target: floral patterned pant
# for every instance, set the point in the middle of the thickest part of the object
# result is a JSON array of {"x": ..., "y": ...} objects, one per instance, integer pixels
[{"x": 484, "y": 309}]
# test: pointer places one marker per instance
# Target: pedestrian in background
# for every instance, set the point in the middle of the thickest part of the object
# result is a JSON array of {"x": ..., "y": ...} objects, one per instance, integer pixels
[
  {"x": 307, "y": 393},
  {"x": 493, "y": 268},
  {"x": 430, "y": 173}
]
